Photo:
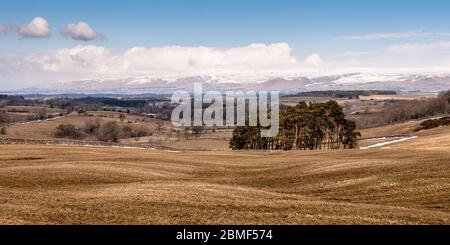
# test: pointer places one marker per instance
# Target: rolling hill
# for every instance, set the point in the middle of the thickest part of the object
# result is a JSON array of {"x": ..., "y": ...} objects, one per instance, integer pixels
[{"x": 82, "y": 185}]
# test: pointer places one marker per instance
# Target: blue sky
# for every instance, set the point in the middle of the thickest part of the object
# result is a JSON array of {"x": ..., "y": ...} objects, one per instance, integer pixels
[
  {"x": 357, "y": 32},
  {"x": 308, "y": 26}
]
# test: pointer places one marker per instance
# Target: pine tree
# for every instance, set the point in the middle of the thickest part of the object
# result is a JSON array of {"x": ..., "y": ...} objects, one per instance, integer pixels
[{"x": 302, "y": 127}]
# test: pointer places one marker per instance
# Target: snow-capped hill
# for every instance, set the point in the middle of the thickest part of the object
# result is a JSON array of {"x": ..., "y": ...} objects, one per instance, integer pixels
[{"x": 425, "y": 82}]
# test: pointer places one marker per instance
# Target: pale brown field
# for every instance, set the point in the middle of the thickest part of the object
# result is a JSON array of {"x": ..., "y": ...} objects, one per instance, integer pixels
[
  {"x": 45, "y": 129},
  {"x": 33, "y": 109},
  {"x": 80, "y": 185},
  {"x": 167, "y": 138},
  {"x": 395, "y": 129},
  {"x": 401, "y": 183},
  {"x": 434, "y": 138}
]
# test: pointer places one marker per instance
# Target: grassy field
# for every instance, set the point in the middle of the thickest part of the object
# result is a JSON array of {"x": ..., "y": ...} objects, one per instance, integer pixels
[
  {"x": 432, "y": 139},
  {"x": 400, "y": 183},
  {"x": 440, "y": 136},
  {"x": 32, "y": 109},
  {"x": 208, "y": 140},
  {"x": 21, "y": 113},
  {"x": 44, "y": 130},
  {"x": 395, "y": 129},
  {"x": 80, "y": 185}
]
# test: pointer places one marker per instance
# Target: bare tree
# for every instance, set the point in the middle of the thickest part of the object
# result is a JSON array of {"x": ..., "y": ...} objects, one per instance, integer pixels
[
  {"x": 68, "y": 131},
  {"x": 42, "y": 113},
  {"x": 109, "y": 132},
  {"x": 122, "y": 117},
  {"x": 91, "y": 126}
]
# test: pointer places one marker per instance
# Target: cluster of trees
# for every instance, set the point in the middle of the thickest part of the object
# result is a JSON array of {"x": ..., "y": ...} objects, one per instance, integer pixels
[
  {"x": 445, "y": 95},
  {"x": 39, "y": 115},
  {"x": 433, "y": 123},
  {"x": 109, "y": 132},
  {"x": 302, "y": 127},
  {"x": 146, "y": 104},
  {"x": 130, "y": 132},
  {"x": 407, "y": 110},
  {"x": 343, "y": 93},
  {"x": 13, "y": 99},
  {"x": 400, "y": 111},
  {"x": 68, "y": 131}
]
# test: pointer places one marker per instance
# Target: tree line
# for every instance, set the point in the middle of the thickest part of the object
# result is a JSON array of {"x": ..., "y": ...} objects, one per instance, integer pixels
[
  {"x": 343, "y": 93},
  {"x": 401, "y": 111},
  {"x": 108, "y": 132},
  {"x": 302, "y": 127}
]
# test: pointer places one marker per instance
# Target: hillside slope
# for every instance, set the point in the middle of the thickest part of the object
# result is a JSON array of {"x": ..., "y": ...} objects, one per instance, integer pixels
[{"x": 81, "y": 185}]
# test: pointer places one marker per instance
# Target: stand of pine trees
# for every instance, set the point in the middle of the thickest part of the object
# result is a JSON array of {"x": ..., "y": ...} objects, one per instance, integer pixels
[{"x": 303, "y": 127}]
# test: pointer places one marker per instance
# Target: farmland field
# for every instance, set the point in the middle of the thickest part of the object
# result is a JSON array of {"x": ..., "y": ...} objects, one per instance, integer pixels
[
  {"x": 171, "y": 176},
  {"x": 87, "y": 185}
]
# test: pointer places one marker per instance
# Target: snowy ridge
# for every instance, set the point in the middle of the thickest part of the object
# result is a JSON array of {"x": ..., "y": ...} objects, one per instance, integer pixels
[{"x": 284, "y": 81}]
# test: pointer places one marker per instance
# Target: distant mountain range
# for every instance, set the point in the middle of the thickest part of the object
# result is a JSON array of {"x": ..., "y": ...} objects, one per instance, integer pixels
[{"x": 293, "y": 84}]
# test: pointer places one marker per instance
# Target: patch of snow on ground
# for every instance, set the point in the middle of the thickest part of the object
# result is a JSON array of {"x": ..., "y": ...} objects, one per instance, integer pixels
[{"x": 388, "y": 142}]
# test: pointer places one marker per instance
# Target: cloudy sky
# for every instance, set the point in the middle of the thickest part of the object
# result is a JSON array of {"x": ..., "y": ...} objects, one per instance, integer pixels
[{"x": 51, "y": 41}]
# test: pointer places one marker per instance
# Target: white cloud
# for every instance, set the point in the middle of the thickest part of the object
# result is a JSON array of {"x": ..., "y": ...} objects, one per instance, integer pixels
[
  {"x": 84, "y": 59},
  {"x": 81, "y": 31},
  {"x": 313, "y": 60},
  {"x": 353, "y": 53},
  {"x": 240, "y": 64},
  {"x": 92, "y": 61},
  {"x": 37, "y": 28},
  {"x": 392, "y": 35},
  {"x": 254, "y": 56},
  {"x": 100, "y": 60},
  {"x": 419, "y": 47}
]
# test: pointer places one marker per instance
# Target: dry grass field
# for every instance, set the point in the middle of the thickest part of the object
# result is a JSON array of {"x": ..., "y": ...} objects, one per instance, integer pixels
[
  {"x": 32, "y": 109},
  {"x": 200, "y": 181},
  {"x": 81, "y": 185},
  {"x": 395, "y": 129},
  {"x": 440, "y": 136},
  {"x": 436, "y": 139},
  {"x": 44, "y": 130}
]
